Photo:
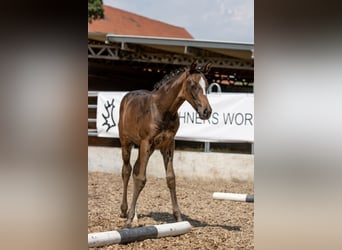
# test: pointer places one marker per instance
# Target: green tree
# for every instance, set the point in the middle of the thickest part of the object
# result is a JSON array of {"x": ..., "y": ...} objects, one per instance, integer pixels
[{"x": 95, "y": 10}]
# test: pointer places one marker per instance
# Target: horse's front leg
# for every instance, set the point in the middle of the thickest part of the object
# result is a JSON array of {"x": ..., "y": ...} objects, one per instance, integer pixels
[
  {"x": 139, "y": 177},
  {"x": 170, "y": 178}
]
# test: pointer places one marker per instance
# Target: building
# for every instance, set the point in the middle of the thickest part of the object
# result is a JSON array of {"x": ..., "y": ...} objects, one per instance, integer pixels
[
  {"x": 121, "y": 22},
  {"x": 128, "y": 51}
]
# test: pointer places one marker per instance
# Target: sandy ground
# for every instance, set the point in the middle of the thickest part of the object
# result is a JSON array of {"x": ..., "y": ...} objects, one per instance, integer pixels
[{"x": 217, "y": 224}]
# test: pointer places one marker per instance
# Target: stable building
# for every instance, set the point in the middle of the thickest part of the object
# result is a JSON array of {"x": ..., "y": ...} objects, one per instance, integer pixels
[{"x": 127, "y": 51}]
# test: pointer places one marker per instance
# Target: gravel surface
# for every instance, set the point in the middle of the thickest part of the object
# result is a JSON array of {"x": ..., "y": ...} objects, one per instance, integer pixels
[{"x": 216, "y": 224}]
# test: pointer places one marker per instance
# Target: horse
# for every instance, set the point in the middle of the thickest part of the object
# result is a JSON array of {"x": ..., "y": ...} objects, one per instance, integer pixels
[{"x": 149, "y": 120}]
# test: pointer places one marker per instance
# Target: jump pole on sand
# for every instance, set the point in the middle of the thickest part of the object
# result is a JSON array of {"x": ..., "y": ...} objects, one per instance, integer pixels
[
  {"x": 234, "y": 197},
  {"x": 137, "y": 234}
]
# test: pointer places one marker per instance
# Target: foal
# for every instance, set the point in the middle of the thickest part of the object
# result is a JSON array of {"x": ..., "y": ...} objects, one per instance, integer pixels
[{"x": 150, "y": 121}]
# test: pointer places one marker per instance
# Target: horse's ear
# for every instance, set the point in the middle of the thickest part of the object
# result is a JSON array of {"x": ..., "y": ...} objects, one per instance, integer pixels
[
  {"x": 193, "y": 67},
  {"x": 206, "y": 68}
]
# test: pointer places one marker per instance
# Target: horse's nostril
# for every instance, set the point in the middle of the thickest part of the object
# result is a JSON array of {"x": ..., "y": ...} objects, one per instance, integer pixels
[{"x": 207, "y": 112}]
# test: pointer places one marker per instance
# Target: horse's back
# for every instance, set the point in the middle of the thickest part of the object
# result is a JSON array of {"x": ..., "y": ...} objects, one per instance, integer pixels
[
  {"x": 134, "y": 101},
  {"x": 136, "y": 95}
]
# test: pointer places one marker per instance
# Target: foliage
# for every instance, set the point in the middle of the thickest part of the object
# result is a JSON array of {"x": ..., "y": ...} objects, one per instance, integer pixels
[{"x": 95, "y": 10}]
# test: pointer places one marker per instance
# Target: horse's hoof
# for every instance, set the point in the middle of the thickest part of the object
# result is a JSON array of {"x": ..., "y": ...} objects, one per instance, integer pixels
[
  {"x": 179, "y": 219},
  {"x": 177, "y": 216},
  {"x": 123, "y": 215},
  {"x": 128, "y": 225}
]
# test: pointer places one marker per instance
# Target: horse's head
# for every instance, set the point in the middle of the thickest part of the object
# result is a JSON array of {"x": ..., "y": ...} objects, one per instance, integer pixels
[{"x": 195, "y": 90}]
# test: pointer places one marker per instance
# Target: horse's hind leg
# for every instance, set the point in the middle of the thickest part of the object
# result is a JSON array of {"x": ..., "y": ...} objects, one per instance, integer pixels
[
  {"x": 125, "y": 173},
  {"x": 171, "y": 179}
]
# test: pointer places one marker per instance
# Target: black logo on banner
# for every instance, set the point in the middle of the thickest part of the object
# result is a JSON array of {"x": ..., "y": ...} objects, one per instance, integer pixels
[{"x": 109, "y": 117}]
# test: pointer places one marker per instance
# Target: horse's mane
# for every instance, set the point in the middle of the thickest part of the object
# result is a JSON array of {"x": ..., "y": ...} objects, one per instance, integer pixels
[{"x": 168, "y": 77}]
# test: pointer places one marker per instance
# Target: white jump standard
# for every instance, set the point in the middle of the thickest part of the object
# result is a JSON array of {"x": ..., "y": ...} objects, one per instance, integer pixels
[
  {"x": 138, "y": 234},
  {"x": 233, "y": 197}
]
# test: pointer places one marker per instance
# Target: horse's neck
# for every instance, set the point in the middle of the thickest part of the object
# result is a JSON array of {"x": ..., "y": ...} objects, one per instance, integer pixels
[{"x": 170, "y": 98}]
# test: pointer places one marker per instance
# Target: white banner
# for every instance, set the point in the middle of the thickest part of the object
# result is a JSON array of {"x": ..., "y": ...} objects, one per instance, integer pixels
[{"x": 232, "y": 118}]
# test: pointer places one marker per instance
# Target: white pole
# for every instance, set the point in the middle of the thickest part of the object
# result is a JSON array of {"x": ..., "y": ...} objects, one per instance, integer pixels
[
  {"x": 233, "y": 197},
  {"x": 103, "y": 238},
  {"x": 138, "y": 233},
  {"x": 173, "y": 229}
]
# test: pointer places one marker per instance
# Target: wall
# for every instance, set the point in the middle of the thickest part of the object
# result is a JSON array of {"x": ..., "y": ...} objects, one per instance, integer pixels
[{"x": 195, "y": 165}]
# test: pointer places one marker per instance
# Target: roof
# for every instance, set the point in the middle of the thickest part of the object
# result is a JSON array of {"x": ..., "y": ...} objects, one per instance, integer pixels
[
  {"x": 117, "y": 21},
  {"x": 201, "y": 48}
]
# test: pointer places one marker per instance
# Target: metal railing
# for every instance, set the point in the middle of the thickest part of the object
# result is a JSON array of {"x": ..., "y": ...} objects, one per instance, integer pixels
[
  {"x": 214, "y": 84},
  {"x": 92, "y": 131}
]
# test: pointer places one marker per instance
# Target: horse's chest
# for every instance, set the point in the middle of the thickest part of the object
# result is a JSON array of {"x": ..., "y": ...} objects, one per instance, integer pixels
[{"x": 163, "y": 139}]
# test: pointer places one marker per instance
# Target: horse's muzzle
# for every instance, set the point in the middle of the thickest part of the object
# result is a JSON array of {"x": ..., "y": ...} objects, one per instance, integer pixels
[{"x": 204, "y": 113}]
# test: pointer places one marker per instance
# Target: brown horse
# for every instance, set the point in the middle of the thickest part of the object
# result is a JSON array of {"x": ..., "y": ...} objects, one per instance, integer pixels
[{"x": 150, "y": 121}]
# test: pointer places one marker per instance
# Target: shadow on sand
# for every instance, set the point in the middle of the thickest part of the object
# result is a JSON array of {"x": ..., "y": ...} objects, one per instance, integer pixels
[{"x": 168, "y": 218}]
